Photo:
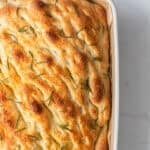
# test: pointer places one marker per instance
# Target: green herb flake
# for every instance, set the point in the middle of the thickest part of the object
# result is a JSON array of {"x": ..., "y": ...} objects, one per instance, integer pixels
[
  {"x": 49, "y": 98},
  {"x": 27, "y": 29},
  {"x": 13, "y": 37},
  {"x": 86, "y": 86},
  {"x": 93, "y": 124},
  {"x": 54, "y": 140},
  {"x": 22, "y": 129},
  {"x": 32, "y": 57},
  {"x": 65, "y": 36},
  {"x": 69, "y": 74},
  {"x": 98, "y": 59},
  {"x": 17, "y": 121},
  {"x": 8, "y": 66},
  {"x": 64, "y": 127}
]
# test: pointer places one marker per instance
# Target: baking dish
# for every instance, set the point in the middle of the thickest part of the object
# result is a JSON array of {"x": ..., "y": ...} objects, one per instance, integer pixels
[{"x": 112, "y": 22}]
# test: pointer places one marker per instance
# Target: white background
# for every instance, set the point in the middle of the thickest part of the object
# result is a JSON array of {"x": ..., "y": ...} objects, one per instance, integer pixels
[{"x": 134, "y": 39}]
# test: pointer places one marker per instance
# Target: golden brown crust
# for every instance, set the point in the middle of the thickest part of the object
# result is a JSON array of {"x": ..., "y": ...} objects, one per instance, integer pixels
[{"x": 54, "y": 75}]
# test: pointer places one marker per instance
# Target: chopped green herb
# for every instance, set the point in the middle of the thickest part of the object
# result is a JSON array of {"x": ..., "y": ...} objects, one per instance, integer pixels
[
  {"x": 65, "y": 36},
  {"x": 54, "y": 140},
  {"x": 8, "y": 63},
  {"x": 49, "y": 98},
  {"x": 93, "y": 124},
  {"x": 32, "y": 56},
  {"x": 27, "y": 29},
  {"x": 86, "y": 85},
  {"x": 19, "y": 130},
  {"x": 69, "y": 74},
  {"x": 64, "y": 127},
  {"x": 97, "y": 59},
  {"x": 17, "y": 121},
  {"x": 18, "y": 13},
  {"x": 13, "y": 37}
]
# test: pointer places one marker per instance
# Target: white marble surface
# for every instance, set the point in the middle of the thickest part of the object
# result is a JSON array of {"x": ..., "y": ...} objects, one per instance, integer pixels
[{"x": 134, "y": 38}]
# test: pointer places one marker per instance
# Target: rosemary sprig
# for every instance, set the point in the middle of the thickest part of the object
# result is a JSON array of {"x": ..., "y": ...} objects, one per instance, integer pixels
[
  {"x": 98, "y": 59},
  {"x": 54, "y": 140},
  {"x": 93, "y": 124},
  {"x": 86, "y": 86},
  {"x": 18, "y": 13},
  {"x": 32, "y": 57},
  {"x": 13, "y": 37},
  {"x": 64, "y": 127},
  {"x": 49, "y": 98},
  {"x": 65, "y": 36},
  {"x": 8, "y": 66},
  {"x": 69, "y": 74},
  {"x": 19, "y": 130},
  {"x": 27, "y": 29},
  {"x": 17, "y": 121}
]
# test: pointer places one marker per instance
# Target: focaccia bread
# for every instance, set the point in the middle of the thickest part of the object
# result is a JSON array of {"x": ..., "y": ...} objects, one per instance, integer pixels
[{"x": 54, "y": 75}]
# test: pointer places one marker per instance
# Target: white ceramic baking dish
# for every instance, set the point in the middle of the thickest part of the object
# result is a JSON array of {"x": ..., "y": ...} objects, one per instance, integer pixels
[{"x": 112, "y": 22}]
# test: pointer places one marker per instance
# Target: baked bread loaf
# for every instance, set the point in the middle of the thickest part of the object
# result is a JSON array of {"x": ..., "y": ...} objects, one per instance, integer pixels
[{"x": 54, "y": 75}]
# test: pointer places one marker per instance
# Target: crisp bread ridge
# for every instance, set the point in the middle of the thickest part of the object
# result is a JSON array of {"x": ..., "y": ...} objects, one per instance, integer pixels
[{"x": 54, "y": 75}]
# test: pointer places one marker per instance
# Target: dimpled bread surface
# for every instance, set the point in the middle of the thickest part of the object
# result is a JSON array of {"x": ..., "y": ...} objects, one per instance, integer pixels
[{"x": 54, "y": 75}]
